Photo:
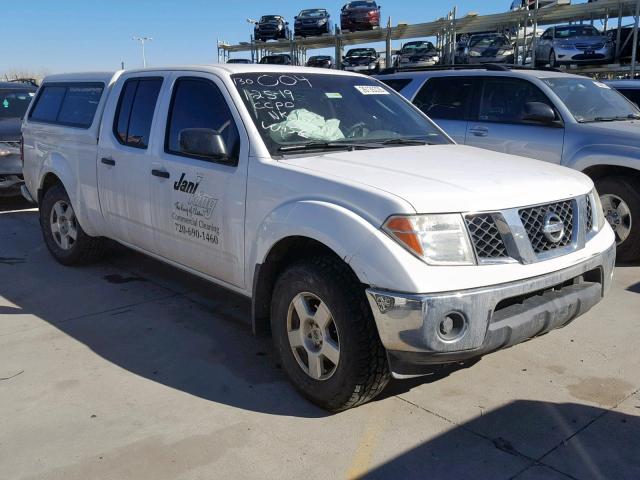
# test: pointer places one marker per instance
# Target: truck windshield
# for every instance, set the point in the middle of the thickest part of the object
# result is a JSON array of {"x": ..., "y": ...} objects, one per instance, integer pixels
[
  {"x": 293, "y": 111},
  {"x": 14, "y": 102},
  {"x": 592, "y": 101}
]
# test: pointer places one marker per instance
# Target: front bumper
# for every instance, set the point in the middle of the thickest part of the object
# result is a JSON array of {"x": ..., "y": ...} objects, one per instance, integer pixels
[
  {"x": 578, "y": 56},
  {"x": 428, "y": 329},
  {"x": 417, "y": 64},
  {"x": 500, "y": 59},
  {"x": 359, "y": 68}
]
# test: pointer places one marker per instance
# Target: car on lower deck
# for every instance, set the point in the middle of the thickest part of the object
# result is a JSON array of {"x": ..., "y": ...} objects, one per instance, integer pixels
[
  {"x": 416, "y": 55},
  {"x": 489, "y": 48},
  {"x": 320, "y": 61},
  {"x": 15, "y": 98},
  {"x": 362, "y": 60},
  {"x": 548, "y": 115},
  {"x": 279, "y": 59}
]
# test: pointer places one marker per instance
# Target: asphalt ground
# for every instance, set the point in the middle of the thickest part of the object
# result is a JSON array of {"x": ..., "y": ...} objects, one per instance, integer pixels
[{"x": 131, "y": 369}]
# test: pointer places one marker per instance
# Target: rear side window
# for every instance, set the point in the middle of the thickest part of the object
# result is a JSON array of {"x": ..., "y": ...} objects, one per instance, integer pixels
[
  {"x": 446, "y": 98},
  {"x": 72, "y": 104},
  {"x": 396, "y": 83},
  {"x": 136, "y": 105},
  {"x": 198, "y": 103}
]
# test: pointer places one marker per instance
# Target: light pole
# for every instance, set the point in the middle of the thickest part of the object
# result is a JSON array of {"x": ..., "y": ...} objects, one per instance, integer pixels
[{"x": 142, "y": 41}]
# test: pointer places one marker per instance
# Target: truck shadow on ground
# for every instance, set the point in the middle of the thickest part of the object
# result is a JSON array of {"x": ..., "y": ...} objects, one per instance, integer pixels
[{"x": 548, "y": 440}]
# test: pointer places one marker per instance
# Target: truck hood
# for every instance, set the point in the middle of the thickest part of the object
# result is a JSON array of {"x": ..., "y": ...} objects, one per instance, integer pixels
[
  {"x": 451, "y": 178},
  {"x": 625, "y": 133}
]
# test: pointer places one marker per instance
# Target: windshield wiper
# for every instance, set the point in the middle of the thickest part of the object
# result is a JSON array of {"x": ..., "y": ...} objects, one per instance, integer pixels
[
  {"x": 404, "y": 141},
  {"x": 631, "y": 116},
  {"x": 302, "y": 147}
]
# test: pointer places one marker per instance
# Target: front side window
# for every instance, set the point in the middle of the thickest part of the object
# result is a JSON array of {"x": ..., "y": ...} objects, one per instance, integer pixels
[
  {"x": 592, "y": 101},
  {"x": 14, "y": 103},
  {"x": 136, "y": 106},
  {"x": 198, "y": 104},
  {"x": 504, "y": 99},
  {"x": 72, "y": 104},
  {"x": 295, "y": 112},
  {"x": 445, "y": 98}
]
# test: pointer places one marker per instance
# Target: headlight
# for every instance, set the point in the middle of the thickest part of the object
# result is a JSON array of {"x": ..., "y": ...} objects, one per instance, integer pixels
[
  {"x": 600, "y": 219},
  {"x": 474, "y": 53},
  {"x": 6, "y": 151},
  {"x": 322, "y": 21},
  {"x": 440, "y": 239},
  {"x": 505, "y": 52}
]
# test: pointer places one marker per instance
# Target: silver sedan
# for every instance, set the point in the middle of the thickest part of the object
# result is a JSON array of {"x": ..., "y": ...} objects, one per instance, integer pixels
[{"x": 573, "y": 44}]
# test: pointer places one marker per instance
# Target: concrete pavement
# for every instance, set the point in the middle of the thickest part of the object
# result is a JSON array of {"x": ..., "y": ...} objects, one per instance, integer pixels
[{"x": 132, "y": 369}]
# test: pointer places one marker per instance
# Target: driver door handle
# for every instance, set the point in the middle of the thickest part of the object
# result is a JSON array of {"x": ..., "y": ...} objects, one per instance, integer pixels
[
  {"x": 160, "y": 173},
  {"x": 479, "y": 131},
  {"x": 108, "y": 161}
]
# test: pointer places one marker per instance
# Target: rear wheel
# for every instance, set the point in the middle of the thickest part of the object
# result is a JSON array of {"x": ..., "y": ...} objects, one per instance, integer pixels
[
  {"x": 63, "y": 235},
  {"x": 621, "y": 205},
  {"x": 325, "y": 335}
]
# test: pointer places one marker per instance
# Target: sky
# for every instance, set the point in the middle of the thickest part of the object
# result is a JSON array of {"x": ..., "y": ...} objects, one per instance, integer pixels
[{"x": 54, "y": 36}]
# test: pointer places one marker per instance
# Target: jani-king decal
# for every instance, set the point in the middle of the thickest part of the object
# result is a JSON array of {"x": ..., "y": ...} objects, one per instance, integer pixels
[{"x": 192, "y": 217}]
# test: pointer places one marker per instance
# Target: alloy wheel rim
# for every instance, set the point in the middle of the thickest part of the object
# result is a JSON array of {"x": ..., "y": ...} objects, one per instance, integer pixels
[
  {"x": 313, "y": 336},
  {"x": 64, "y": 225},
  {"x": 618, "y": 214}
]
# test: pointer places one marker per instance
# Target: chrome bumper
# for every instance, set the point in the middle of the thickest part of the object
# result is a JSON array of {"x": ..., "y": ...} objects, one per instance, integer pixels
[{"x": 449, "y": 327}]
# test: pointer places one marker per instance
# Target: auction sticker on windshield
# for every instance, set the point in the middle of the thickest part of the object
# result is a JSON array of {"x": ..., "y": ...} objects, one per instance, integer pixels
[{"x": 371, "y": 90}]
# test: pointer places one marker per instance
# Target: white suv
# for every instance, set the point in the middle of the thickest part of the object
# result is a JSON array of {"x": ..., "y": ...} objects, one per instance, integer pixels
[{"x": 369, "y": 242}]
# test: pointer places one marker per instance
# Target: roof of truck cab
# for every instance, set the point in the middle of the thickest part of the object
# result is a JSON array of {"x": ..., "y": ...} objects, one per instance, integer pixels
[{"x": 225, "y": 68}]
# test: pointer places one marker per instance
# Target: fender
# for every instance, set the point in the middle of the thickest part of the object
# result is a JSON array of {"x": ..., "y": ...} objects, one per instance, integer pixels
[
  {"x": 598, "y": 155},
  {"x": 82, "y": 197},
  {"x": 383, "y": 263}
]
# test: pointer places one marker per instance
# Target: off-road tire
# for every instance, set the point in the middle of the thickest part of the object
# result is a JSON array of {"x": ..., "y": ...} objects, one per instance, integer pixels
[
  {"x": 362, "y": 371},
  {"x": 629, "y": 191},
  {"x": 86, "y": 249}
]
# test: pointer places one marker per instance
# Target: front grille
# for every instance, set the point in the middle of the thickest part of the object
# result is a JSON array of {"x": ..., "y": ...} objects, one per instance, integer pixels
[
  {"x": 486, "y": 238},
  {"x": 586, "y": 46},
  {"x": 589, "y": 214},
  {"x": 533, "y": 221}
]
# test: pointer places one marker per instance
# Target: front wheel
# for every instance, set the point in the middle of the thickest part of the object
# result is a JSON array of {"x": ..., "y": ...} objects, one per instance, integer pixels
[
  {"x": 553, "y": 63},
  {"x": 63, "y": 235},
  {"x": 621, "y": 205},
  {"x": 325, "y": 335}
]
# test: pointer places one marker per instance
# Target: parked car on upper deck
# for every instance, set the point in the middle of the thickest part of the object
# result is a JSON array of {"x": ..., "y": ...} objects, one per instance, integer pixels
[
  {"x": 271, "y": 27},
  {"x": 239, "y": 61},
  {"x": 417, "y": 54},
  {"x": 368, "y": 242},
  {"x": 360, "y": 15},
  {"x": 489, "y": 48},
  {"x": 574, "y": 44},
  {"x": 14, "y": 101},
  {"x": 531, "y": 4},
  {"x": 312, "y": 21},
  {"x": 363, "y": 60},
  {"x": 553, "y": 116}
]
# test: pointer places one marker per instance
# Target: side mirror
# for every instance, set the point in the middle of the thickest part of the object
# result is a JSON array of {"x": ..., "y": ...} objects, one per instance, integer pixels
[
  {"x": 203, "y": 142},
  {"x": 538, "y": 112},
  {"x": 295, "y": 18},
  {"x": 286, "y": 23},
  {"x": 379, "y": 7}
]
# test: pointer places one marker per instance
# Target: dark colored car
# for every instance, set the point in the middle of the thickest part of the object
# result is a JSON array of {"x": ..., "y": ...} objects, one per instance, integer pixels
[
  {"x": 239, "y": 60},
  {"x": 320, "y": 61},
  {"x": 363, "y": 60},
  {"x": 626, "y": 41},
  {"x": 417, "y": 54},
  {"x": 489, "y": 48},
  {"x": 271, "y": 27},
  {"x": 281, "y": 59},
  {"x": 312, "y": 21},
  {"x": 360, "y": 15},
  {"x": 629, "y": 88},
  {"x": 14, "y": 100}
]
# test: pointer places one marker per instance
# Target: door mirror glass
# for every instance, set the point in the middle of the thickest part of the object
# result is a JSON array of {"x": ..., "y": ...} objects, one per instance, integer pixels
[
  {"x": 203, "y": 142},
  {"x": 538, "y": 112}
]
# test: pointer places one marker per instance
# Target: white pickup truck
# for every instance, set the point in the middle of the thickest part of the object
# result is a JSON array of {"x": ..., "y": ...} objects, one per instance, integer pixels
[{"x": 369, "y": 242}]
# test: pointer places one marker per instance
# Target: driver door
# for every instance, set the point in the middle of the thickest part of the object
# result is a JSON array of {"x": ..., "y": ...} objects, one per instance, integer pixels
[{"x": 199, "y": 202}]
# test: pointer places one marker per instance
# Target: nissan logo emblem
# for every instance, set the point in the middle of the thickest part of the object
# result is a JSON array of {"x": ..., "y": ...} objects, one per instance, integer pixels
[{"x": 553, "y": 227}]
